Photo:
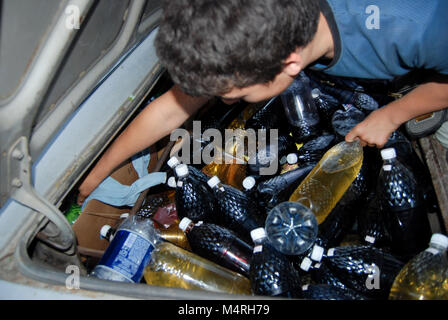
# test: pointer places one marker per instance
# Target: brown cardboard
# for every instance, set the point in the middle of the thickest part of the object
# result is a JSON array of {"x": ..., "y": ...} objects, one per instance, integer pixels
[{"x": 97, "y": 214}]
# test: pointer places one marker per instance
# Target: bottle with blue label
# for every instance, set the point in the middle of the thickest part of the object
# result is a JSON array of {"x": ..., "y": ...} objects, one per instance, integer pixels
[{"x": 129, "y": 251}]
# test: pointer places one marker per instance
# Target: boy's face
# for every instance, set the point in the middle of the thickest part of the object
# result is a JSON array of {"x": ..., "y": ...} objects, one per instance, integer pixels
[{"x": 258, "y": 92}]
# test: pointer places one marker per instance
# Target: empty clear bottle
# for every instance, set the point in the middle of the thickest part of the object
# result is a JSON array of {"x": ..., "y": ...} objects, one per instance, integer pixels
[
  {"x": 218, "y": 244},
  {"x": 301, "y": 110},
  {"x": 172, "y": 266},
  {"x": 291, "y": 228},
  {"x": 401, "y": 199},
  {"x": 424, "y": 277},
  {"x": 330, "y": 178},
  {"x": 129, "y": 251},
  {"x": 271, "y": 273}
]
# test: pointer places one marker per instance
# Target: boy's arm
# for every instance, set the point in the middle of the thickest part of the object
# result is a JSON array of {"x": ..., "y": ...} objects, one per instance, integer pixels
[
  {"x": 157, "y": 120},
  {"x": 376, "y": 129}
]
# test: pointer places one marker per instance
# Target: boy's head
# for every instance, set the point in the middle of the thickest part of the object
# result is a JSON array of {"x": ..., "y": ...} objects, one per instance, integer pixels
[{"x": 210, "y": 47}]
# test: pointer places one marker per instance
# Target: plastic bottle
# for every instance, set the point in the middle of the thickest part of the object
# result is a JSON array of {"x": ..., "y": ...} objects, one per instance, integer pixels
[
  {"x": 328, "y": 292},
  {"x": 365, "y": 269},
  {"x": 172, "y": 266},
  {"x": 291, "y": 228},
  {"x": 330, "y": 178},
  {"x": 129, "y": 251},
  {"x": 301, "y": 110},
  {"x": 312, "y": 151},
  {"x": 404, "y": 209},
  {"x": 345, "y": 120},
  {"x": 270, "y": 116},
  {"x": 424, "y": 277},
  {"x": 73, "y": 213},
  {"x": 155, "y": 201},
  {"x": 365, "y": 102},
  {"x": 271, "y": 273},
  {"x": 326, "y": 106},
  {"x": 291, "y": 163},
  {"x": 278, "y": 189},
  {"x": 193, "y": 198},
  {"x": 219, "y": 245},
  {"x": 237, "y": 211}
]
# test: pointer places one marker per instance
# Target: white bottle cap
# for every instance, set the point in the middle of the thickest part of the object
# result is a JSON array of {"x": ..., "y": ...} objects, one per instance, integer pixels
[
  {"x": 370, "y": 239},
  {"x": 388, "y": 153},
  {"x": 305, "y": 287},
  {"x": 181, "y": 170},
  {"x": 173, "y": 162},
  {"x": 124, "y": 215},
  {"x": 317, "y": 253},
  {"x": 258, "y": 234},
  {"x": 315, "y": 93},
  {"x": 171, "y": 182},
  {"x": 292, "y": 158},
  {"x": 184, "y": 223},
  {"x": 306, "y": 264},
  {"x": 439, "y": 239},
  {"x": 104, "y": 230},
  {"x": 249, "y": 183},
  {"x": 330, "y": 252},
  {"x": 213, "y": 182}
]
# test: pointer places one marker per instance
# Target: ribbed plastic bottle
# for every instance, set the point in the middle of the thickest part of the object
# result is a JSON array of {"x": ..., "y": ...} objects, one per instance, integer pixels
[
  {"x": 271, "y": 273},
  {"x": 291, "y": 228},
  {"x": 279, "y": 188},
  {"x": 269, "y": 116},
  {"x": 129, "y": 251},
  {"x": 424, "y": 277},
  {"x": 218, "y": 244},
  {"x": 193, "y": 198},
  {"x": 330, "y": 178},
  {"x": 236, "y": 210},
  {"x": 328, "y": 292},
  {"x": 343, "y": 121},
  {"x": 312, "y": 151},
  {"x": 172, "y": 266},
  {"x": 301, "y": 110},
  {"x": 401, "y": 200},
  {"x": 155, "y": 201},
  {"x": 365, "y": 102},
  {"x": 326, "y": 106},
  {"x": 365, "y": 269}
]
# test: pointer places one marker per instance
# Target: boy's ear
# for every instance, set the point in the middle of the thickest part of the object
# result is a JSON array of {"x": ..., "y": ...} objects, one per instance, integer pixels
[{"x": 293, "y": 64}]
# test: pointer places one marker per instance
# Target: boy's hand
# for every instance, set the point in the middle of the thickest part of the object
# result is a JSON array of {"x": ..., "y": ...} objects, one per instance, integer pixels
[{"x": 375, "y": 130}]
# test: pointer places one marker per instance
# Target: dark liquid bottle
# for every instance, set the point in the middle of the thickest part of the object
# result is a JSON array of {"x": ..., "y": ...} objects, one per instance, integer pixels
[
  {"x": 345, "y": 120},
  {"x": 236, "y": 210},
  {"x": 193, "y": 198},
  {"x": 312, "y": 151},
  {"x": 271, "y": 273},
  {"x": 270, "y": 116},
  {"x": 365, "y": 102},
  {"x": 219, "y": 245},
  {"x": 328, "y": 292},
  {"x": 278, "y": 189},
  {"x": 403, "y": 206},
  {"x": 367, "y": 270},
  {"x": 326, "y": 106},
  {"x": 301, "y": 110}
]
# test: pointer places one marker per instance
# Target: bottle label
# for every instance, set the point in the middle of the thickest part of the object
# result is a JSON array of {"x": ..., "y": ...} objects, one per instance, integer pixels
[{"x": 128, "y": 254}]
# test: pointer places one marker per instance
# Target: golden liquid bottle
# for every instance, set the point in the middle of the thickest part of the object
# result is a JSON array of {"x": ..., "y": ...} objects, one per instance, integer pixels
[
  {"x": 232, "y": 173},
  {"x": 424, "y": 277},
  {"x": 171, "y": 266},
  {"x": 175, "y": 235},
  {"x": 324, "y": 186}
]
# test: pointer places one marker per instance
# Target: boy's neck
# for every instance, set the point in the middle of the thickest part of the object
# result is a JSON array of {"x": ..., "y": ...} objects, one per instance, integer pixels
[{"x": 322, "y": 45}]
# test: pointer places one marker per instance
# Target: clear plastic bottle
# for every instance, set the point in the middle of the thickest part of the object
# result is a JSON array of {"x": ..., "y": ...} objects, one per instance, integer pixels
[
  {"x": 218, "y": 244},
  {"x": 424, "y": 277},
  {"x": 401, "y": 200},
  {"x": 271, "y": 273},
  {"x": 129, "y": 251},
  {"x": 330, "y": 178},
  {"x": 301, "y": 110},
  {"x": 291, "y": 228},
  {"x": 172, "y": 266}
]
